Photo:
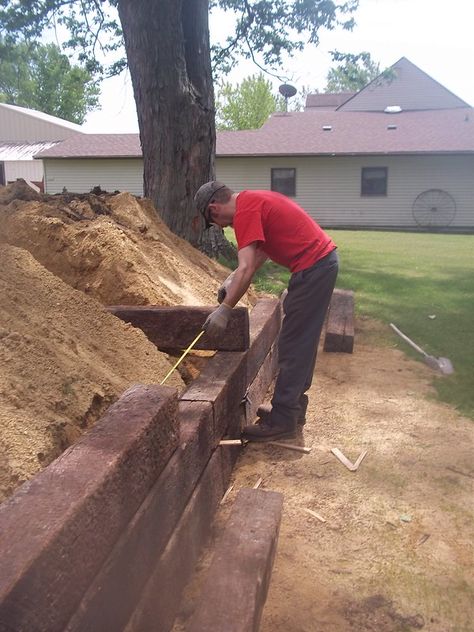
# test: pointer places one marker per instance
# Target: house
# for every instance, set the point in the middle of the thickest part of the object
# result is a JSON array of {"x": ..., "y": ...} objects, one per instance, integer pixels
[
  {"x": 25, "y": 133},
  {"x": 397, "y": 154},
  {"x": 111, "y": 161}
]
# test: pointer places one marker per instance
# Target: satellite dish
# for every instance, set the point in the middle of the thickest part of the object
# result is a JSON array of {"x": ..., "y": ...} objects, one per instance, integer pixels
[{"x": 287, "y": 90}]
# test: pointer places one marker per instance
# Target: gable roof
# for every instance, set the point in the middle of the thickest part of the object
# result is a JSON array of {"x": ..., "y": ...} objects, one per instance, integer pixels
[
  {"x": 48, "y": 118},
  {"x": 408, "y": 87}
]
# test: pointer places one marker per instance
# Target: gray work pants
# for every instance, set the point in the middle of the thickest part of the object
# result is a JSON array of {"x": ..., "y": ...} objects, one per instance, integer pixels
[{"x": 305, "y": 307}]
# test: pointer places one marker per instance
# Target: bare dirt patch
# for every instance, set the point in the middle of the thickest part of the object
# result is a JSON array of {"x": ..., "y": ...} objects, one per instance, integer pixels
[{"x": 395, "y": 553}]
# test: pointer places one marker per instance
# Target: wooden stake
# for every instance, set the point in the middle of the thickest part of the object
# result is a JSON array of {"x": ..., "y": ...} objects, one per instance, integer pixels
[
  {"x": 288, "y": 446},
  {"x": 257, "y": 484},
  {"x": 314, "y": 514},
  {"x": 360, "y": 459},
  {"x": 229, "y": 489},
  {"x": 345, "y": 461}
]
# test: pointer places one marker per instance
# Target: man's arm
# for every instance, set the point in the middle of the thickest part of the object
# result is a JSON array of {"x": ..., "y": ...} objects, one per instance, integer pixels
[{"x": 250, "y": 259}]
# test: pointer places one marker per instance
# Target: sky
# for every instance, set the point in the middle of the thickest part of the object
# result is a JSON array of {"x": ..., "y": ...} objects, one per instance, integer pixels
[{"x": 436, "y": 35}]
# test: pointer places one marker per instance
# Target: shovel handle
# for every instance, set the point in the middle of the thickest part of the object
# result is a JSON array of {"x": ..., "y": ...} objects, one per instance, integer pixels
[{"x": 407, "y": 339}]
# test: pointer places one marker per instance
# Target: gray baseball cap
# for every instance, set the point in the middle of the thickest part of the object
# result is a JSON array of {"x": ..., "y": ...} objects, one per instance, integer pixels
[{"x": 204, "y": 195}]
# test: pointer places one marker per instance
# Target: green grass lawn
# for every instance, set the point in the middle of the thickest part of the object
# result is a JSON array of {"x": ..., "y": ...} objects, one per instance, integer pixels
[{"x": 403, "y": 278}]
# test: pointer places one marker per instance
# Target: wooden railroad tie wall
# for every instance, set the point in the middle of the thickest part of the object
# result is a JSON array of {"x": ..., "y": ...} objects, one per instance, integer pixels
[
  {"x": 237, "y": 581},
  {"x": 340, "y": 322},
  {"x": 106, "y": 537},
  {"x": 176, "y": 327}
]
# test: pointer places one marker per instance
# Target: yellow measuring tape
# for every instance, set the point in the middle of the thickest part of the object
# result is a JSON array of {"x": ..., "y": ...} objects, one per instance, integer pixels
[{"x": 181, "y": 358}]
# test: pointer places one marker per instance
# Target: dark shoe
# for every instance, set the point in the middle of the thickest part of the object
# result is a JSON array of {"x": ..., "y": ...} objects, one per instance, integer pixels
[
  {"x": 264, "y": 411},
  {"x": 266, "y": 431}
]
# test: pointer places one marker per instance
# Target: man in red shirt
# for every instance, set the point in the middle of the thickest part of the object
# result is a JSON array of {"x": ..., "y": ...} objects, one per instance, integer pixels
[{"x": 270, "y": 225}]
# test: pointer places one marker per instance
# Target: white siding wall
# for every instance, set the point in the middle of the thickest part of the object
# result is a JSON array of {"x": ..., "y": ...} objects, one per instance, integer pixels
[
  {"x": 329, "y": 187},
  {"x": 81, "y": 175},
  {"x": 26, "y": 169},
  {"x": 16, "y": 126}
]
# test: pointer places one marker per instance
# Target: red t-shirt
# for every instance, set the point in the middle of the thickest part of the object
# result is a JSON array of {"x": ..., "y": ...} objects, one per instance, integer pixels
[{"x": 283, "y": 230}]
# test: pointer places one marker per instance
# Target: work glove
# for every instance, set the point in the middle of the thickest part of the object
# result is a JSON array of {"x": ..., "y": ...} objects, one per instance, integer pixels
[
  {"x": 222, "y": 291},
  {"x": 217, "y": 320}
]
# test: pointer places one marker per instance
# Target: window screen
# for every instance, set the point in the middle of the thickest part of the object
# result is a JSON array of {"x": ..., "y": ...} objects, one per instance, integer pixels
[
  {"x": 374, "y": 181},
  {"x": 284, "y": 181}
]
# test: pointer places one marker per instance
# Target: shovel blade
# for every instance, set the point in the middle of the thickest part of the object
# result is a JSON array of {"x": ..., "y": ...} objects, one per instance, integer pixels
[{"x": 443, "y": 365}]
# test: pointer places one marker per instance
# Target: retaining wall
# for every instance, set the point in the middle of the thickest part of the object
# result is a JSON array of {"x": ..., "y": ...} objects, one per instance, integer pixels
[{"x": 106, "y": 537}]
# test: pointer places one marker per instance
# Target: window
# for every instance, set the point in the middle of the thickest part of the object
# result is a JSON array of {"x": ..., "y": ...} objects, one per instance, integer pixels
[
  {"x": 374, "y": 181},
  {"x": 284, "y": 181},
  {"x": 2, "y": 174}
]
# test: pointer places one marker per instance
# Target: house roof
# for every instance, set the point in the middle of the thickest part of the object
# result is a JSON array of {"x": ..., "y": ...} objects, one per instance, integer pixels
[
  {"x": 44, "y": 117},
  {"x": 311, "y": 133},
  {"x": 23, "y": 151},
  {"x": 327, "y": 100},
  {"x": 349, "y": 133},
  {"x": 96, "y": 146},
  {"x": 404, "y": 85}
]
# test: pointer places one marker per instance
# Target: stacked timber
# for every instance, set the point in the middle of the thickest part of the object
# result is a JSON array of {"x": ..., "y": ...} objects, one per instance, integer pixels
[
  {"x": 340, "y": 322},
  {"x": 107, "y": 536}
]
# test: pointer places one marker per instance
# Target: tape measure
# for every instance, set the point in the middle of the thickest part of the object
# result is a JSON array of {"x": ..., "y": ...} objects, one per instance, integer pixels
[{"x": 183, "y": 356}]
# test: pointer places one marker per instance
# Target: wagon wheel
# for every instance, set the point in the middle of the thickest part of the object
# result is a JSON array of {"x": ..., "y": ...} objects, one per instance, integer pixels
[{"x": 434, "y": 208}]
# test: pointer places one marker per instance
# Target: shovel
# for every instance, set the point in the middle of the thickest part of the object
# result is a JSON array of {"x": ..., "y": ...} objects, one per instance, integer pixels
[{"x": 443, "y": 365}]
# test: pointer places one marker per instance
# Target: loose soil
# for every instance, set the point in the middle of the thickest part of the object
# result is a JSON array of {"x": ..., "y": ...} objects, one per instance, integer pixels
[
  {"x": 64, "y": 358},
  {"x": 396, "y": 551}
]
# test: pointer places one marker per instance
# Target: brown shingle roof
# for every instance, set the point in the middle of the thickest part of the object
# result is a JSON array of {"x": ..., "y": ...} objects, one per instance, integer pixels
[
  {"x": 303, "y": 133},
  {"x": 96, "y": 146},
  {"x": 327, "y": 100}
]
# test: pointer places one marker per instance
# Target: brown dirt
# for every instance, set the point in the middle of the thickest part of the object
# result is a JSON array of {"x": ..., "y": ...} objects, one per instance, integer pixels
[
  {"x": 396, "y": 551},
  {"x": 112, "y": 247},
  {"x": 64, "y": 359}
]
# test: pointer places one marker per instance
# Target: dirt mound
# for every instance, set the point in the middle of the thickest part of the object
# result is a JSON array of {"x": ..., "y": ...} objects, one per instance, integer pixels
[
  {"x": 113, "y": 247},
  {"x": 64, "y": 359},
  {"x": 18, "y": 190}
]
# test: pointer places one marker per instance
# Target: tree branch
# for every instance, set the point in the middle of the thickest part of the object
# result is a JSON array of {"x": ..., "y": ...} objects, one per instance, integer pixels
[{"x": 252, "y": 55}]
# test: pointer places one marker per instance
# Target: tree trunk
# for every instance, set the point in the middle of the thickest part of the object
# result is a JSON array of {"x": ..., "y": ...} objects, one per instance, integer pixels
[{"x": 167, "y": 44}]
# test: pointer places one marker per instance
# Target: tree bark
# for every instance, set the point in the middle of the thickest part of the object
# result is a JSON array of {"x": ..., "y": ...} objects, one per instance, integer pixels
[{"x": 167, "y": 45}]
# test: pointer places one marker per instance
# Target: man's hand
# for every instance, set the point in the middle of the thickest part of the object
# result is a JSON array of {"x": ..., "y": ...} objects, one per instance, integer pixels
[
  {"x": 217, "y": 320},
  {"x": 222, "y": 291}
]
